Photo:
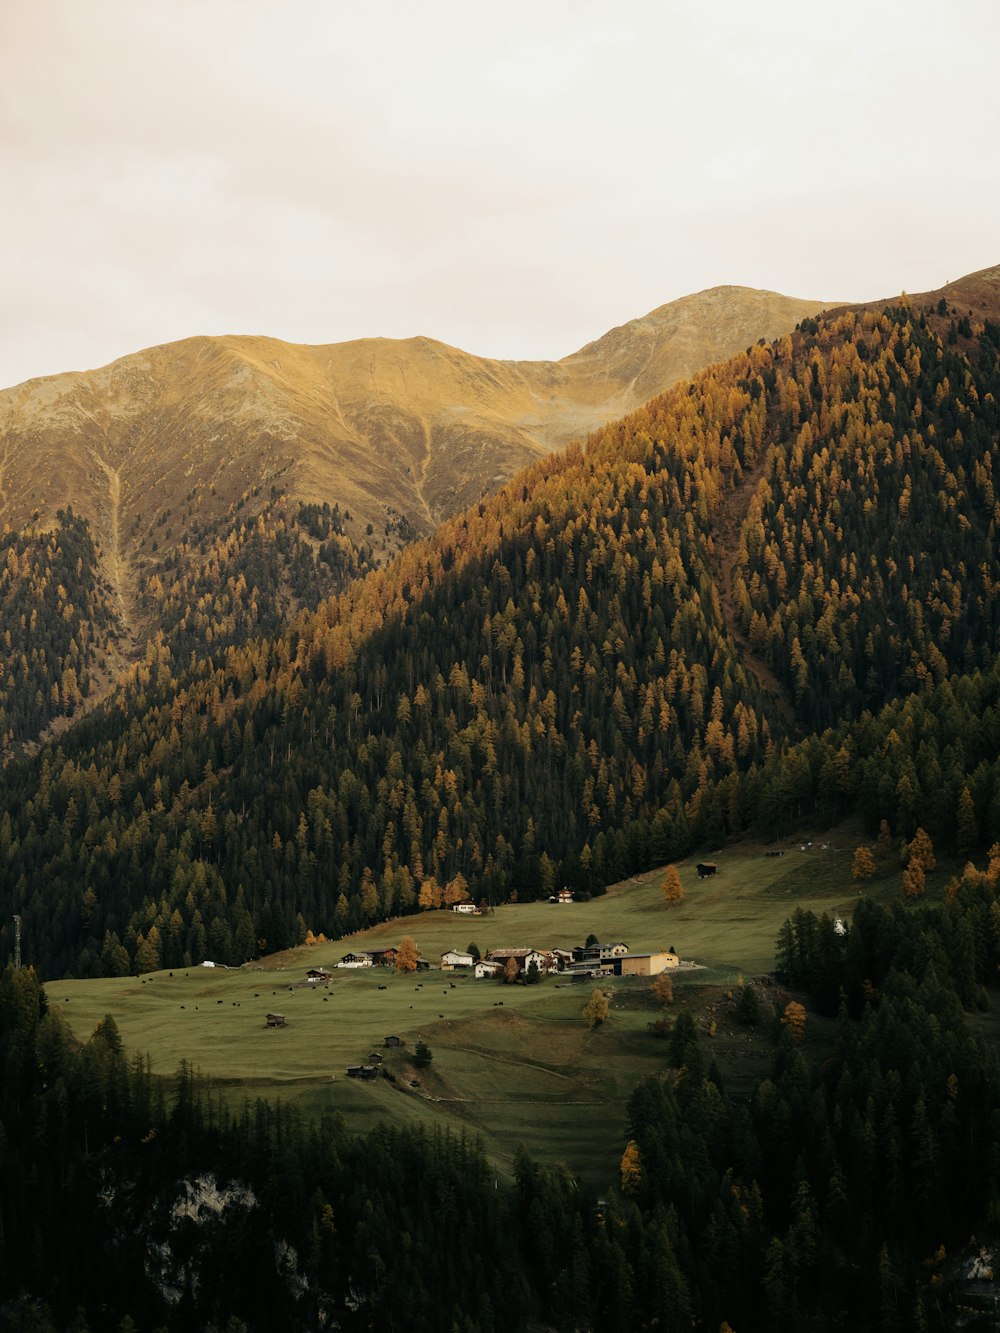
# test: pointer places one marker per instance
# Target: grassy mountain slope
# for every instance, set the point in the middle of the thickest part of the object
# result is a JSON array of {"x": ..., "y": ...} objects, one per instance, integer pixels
[
  {"x": 561, "y": 684},
  {"x": 376, "y": 425}
]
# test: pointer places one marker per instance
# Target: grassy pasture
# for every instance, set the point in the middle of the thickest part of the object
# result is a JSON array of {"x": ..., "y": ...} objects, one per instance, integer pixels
[{"x": 512, "y": 1064}]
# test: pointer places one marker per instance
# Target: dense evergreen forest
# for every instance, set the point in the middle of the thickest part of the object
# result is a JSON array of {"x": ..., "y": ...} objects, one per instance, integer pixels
[
  {"x": 625, "y": 654},
  {"x": 242, "y": 575},
  {"x": 840, "y": 1194},
  {"x": 226, "y": 581},
  {"x": 56, "y": 618}
]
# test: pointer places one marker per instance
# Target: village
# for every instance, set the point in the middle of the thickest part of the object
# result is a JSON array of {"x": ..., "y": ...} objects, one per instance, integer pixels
[
  {"x": 514, "y": 964},
  {"x": 521, "y": 962}
]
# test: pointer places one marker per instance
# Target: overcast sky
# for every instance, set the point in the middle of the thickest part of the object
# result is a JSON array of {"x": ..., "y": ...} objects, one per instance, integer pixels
[{"x": 513, "y": 179}]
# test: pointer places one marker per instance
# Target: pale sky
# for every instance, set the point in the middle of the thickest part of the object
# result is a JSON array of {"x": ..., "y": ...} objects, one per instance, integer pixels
[{"x": 514, "y": 179}]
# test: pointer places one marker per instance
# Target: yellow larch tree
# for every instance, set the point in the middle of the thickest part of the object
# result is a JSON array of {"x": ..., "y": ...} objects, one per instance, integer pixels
[{"x": 671, "y": 888}]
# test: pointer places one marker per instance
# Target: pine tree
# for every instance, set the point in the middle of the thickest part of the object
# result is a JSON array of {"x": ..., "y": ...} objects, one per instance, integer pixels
[{"x": 966, "y": 828}]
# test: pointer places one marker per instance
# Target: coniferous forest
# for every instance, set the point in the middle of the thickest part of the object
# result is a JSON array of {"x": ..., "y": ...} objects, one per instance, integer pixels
[
  {"x": 833, "y": 1198},
  {"x": 770, "y": 596}
]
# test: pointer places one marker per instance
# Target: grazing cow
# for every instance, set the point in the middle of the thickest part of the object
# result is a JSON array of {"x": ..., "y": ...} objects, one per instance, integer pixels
[{"x": 705, "y": 868}]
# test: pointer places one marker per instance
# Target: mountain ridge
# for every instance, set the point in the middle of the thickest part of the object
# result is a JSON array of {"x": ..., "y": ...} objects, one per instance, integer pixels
[
  {"x": 230, "y": 481},
  {"x": 434, "y": 424}
]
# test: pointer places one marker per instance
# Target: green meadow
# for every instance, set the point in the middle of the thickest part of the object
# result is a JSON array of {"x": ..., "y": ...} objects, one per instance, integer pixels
[{"x": 512, "y": 1064}]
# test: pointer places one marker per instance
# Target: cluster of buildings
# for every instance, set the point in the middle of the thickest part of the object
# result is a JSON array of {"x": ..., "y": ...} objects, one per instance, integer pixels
[{"x": 585, "y": 960}]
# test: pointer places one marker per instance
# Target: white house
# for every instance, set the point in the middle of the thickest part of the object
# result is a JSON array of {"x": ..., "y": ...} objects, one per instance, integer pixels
[
  {"x": 466, "y": 909},
  {"x": 486, "y": 967},
  {"x": 523, "y": 957},
  {"x": 356, "y": 960},
  {"x": 456, "y": 958}
]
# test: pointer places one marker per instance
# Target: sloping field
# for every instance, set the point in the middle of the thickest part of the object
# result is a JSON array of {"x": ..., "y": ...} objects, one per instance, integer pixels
[{"x": 513, "y": 1064}]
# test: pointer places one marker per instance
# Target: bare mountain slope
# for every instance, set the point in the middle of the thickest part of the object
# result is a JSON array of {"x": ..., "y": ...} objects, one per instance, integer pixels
[{"x": 378, "y": 425}]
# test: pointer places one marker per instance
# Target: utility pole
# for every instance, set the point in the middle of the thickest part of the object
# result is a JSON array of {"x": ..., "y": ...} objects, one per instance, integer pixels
[{"x": 17, "y": 943}]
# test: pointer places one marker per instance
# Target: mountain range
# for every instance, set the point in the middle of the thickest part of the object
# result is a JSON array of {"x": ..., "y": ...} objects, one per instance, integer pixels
[
  {"x": 217, "y": 467},
  {"x": 382, "y": 427},
  {"x": 764, "y": 599},
  {"x": 632, "y": 649}
]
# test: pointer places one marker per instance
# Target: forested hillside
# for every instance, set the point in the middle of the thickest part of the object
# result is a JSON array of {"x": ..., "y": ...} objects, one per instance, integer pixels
[
  {"x": 73, "y": 626},
  {"x": 598, "y": 669},
  {"x": 185, "y": 460},
  {"x": 57, "y": 623},
  {"x": 842, "y": 1192}
]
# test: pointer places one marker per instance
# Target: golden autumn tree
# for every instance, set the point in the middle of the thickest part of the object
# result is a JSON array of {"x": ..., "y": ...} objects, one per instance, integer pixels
[
  {"x": 429, "y": 896},
  {"x": 663, "y": 988},
  {"x": 920, "y": 851},
  {"x": 794, "y": 1019},
  {"x": 456, "y": 890},
  {"x": 631, "y": 1168},
  {"x": 864, "y": 863},
  {"x": 406, "y": 955},
  {"x": 671, "y": 888},
  {"x": 595, "y": 1011},
  {"x": 369, "y": 895},
  {"x": 914, "y": 880}
]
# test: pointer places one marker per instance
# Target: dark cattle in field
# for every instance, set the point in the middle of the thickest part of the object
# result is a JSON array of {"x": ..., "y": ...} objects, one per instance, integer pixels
[{"x": 706, "y": 868}]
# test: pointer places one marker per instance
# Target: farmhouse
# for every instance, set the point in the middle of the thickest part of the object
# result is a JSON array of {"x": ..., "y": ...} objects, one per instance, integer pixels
[
  {"x": 356, "y": 960},
  {"x": 563, "y": 896},
  {"x": 523, "y": 957},
  {"x": 362, "y": 1071},
  {"x": 602, "y": 953},
  {"x": 384, "y": 957},
  {"x": 486, "y": 967},
  {"x": 456, "y": 958},
  {"x": 466, "y": 908},
  {"x": 315, "y": 975},
  {"x": 276, "y": 1020}
]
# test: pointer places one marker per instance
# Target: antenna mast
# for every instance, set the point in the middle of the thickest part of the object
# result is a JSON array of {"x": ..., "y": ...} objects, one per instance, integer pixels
[{"x": 17, "y": 943}]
